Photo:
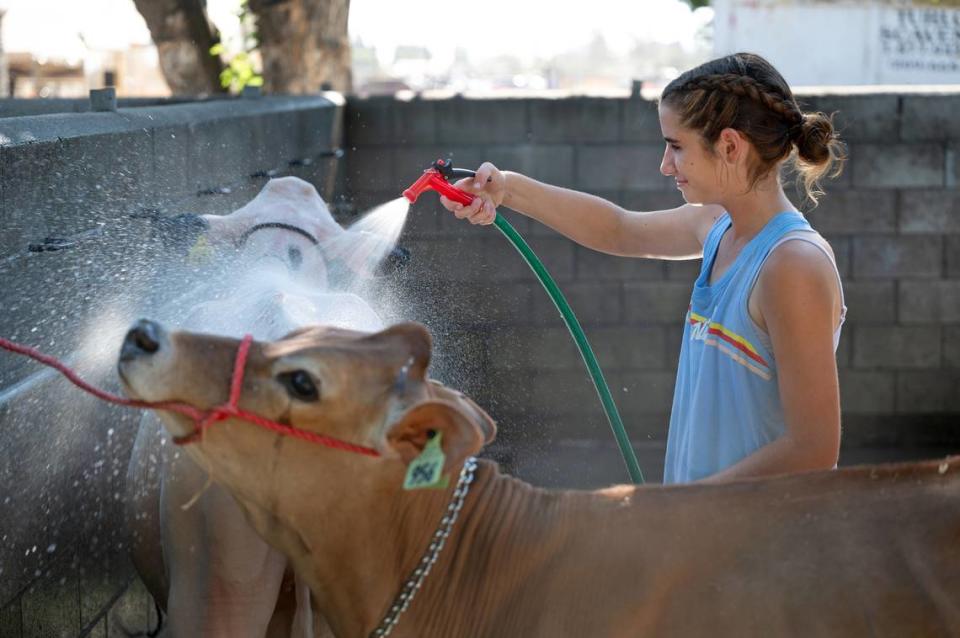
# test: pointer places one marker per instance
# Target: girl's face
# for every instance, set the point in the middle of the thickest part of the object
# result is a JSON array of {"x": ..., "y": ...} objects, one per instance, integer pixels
[{"x": 685, "y": 158}]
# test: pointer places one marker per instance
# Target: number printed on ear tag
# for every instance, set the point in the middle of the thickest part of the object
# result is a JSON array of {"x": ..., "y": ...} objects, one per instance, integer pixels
[{"x": 426, "y": 471}]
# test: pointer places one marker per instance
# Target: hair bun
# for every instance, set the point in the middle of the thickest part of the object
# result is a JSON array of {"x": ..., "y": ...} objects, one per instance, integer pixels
[{"x": 814, "y": 137}]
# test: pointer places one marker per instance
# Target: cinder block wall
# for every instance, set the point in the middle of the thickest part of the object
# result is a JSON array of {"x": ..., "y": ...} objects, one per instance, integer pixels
[
  {"x": 892, "y": 218},
  {"x": 63, "y": 456}
]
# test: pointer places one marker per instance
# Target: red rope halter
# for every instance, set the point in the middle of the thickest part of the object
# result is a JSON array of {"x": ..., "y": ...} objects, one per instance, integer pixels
[{"x": 203, "y": 419}]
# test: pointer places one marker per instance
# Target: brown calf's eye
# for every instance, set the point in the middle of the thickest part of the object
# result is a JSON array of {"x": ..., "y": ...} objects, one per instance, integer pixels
[{"x": 299, "y": 385}]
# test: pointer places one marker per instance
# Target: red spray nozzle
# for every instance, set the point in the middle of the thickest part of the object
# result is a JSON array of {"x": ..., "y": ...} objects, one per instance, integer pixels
[
  {"x": 435, "y": 178},
  {"x": 424, "y": 183}
]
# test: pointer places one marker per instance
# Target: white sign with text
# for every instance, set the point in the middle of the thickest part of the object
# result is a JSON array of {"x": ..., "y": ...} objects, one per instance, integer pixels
[{"x": 844, "y": 42}]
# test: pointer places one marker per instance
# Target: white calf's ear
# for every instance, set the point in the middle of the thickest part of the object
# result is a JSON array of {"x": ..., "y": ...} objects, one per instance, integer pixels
[{"x": 461, "y": 436}]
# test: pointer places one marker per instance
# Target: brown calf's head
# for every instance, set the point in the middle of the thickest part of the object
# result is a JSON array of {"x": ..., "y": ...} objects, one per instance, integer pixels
[{"x": 365, "y": 389}]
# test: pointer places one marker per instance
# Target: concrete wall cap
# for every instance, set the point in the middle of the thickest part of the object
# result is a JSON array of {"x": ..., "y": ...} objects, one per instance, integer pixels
[{"x": 53, "y": 127}]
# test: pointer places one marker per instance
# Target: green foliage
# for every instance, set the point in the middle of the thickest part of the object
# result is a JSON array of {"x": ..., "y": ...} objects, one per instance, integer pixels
[
  {"x": 696, "y": 4},
  {"x": 239, "y": 73},
  {"x": 240, "y": 70}
]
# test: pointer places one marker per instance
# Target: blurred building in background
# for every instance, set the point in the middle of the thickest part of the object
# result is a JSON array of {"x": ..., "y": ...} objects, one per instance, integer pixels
[
  {"x": 32, "y": 76},
  {"x": 135, "y": 72},
  {"x": 593, "y": 67},
  {"x": 845, "y": 42}
]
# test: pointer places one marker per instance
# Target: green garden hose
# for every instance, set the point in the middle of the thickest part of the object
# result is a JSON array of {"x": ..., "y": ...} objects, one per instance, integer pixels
[
  {"x": 570, "y": 319},
  {"x": 437, "y": 178}
]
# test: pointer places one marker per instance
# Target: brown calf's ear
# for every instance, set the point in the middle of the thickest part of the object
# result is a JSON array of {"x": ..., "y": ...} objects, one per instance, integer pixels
[
  {"x": 479, "y": 416},
  {"x": 486, "y": 423},
  {"x": 461, "y": 436}
]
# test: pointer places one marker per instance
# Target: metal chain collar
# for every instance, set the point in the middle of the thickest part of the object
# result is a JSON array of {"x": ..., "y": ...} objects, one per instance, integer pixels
[{"x": 415, "y": 581}]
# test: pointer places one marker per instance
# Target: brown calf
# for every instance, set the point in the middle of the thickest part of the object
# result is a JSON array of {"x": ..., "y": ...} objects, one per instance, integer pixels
[{"x": 859, "y": 552}]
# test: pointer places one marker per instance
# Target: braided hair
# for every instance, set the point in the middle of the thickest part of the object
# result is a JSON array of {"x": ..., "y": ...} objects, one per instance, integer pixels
[{"x": 744, "y": 92}]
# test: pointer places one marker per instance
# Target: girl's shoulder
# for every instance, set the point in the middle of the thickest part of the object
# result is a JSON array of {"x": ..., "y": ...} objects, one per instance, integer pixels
[
  {"x": 803, "y": 249},
  {"x": 799, "y": 270}
]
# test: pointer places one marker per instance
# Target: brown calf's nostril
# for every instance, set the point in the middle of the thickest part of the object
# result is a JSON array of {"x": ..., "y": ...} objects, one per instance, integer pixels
[
  {"x": 146, "y": 342},
  {"x": 143, "y": 338}
]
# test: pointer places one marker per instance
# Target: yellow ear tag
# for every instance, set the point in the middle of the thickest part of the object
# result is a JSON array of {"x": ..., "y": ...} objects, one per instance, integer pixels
[
  {"x": 200, "y": 252},
  {"x": 426, "y": 471}
]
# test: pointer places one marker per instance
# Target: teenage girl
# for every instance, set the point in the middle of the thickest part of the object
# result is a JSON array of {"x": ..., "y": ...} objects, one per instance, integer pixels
[{"x": 756, "y": 390}]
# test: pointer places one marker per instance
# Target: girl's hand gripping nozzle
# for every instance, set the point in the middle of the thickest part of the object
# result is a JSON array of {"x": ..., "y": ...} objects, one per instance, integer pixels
[{"x": 437, "y": 178}]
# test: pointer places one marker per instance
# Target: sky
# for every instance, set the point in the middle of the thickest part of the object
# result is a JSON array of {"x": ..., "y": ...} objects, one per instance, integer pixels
[{"x": 524, "y": 28}]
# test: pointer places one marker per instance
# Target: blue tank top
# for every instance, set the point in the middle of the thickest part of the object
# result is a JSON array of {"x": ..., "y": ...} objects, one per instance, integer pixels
[{"x": 726, "y": 403}]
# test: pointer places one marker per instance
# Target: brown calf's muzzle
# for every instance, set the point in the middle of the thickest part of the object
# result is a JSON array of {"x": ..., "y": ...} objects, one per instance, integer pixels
[
  {"x": 194, "y": 369},
  {"x": 157, "y": 365}
]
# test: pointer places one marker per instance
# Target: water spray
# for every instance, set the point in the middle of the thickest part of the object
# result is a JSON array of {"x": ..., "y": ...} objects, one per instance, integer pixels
[{"x": 436, "y": 178}]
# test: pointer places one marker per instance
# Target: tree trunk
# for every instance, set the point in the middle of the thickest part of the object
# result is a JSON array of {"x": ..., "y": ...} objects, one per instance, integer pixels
[
  {"x": 183, "y": 35},
  {"x": 303, "y": 44}
]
